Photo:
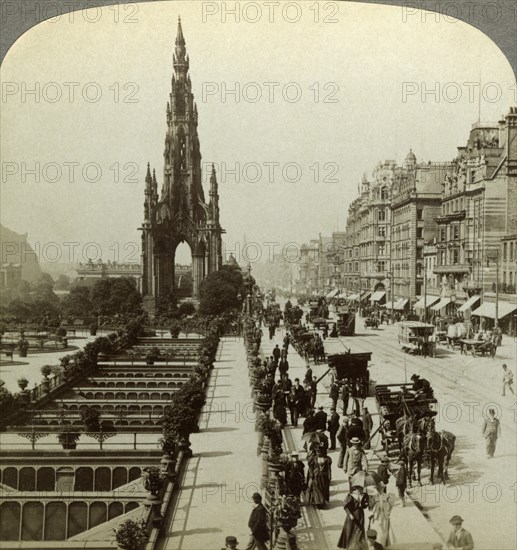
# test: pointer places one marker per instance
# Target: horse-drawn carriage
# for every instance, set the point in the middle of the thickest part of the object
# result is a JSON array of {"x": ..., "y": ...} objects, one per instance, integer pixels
[
  {"x": 354, "y": 367},
  {"x": 416, "y": 337},
  {"x": 407, "y": 427},
  {"x": 396, "y": 401},
  {"x": 478, "y": 347},
  {"x": 371, "y": 322},
  {"x": 345, "y": 324}
]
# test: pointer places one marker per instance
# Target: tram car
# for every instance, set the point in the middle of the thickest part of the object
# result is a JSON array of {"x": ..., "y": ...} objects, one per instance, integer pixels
[{"x": 414, "y": 337}]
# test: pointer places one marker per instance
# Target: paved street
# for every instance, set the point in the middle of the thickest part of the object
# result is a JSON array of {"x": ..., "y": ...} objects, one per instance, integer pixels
[{"x": 465, "y": 387}]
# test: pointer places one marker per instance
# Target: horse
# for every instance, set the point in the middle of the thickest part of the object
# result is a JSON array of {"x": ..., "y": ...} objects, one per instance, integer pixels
[
  {"x": 412, "y": 444},
  {"x": 440, "y": 446},
  {"x": 413, "y": 451}
]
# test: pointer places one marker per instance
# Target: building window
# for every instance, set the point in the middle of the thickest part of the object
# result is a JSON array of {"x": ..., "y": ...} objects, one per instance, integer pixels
[
  {"x": 504, "y": 251},
  {"x": 511, "y": 252},
  {"x": 381, "y": 249},
  {"x": 381, "y": 266},
  {"x": 456, "y": 232},
  {"x": 455, "y": 256},
  {"x": 419, "y": 214},
  {"x": 381, "y": 231},
  {"x": 384, "y": 194},
  {"x": 442, "y": 235},
  {"x": 382, "y": 215},
  {"x": 419, "y": 232}
]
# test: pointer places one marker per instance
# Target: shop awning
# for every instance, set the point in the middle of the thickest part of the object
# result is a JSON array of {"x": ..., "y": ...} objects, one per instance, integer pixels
[
  {"x": 377, "y": 296},
  {"x": 487, "y": 309},
  {"x": 342, "y": 295},
  {"x": 426, "y": 301},
  {"x": 333, "y": 293},
  {"x": 388, "y": 304},
  {"x": 441, "y": 304},
  {"x": 365, "y": 295},
  {"x": 469, "y": 303},
  {"x": 400, "y": 304},
  {"x": 354, "y": 297}
]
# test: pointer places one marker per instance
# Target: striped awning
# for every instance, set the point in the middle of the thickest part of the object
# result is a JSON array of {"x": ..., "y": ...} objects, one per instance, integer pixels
[
  {"x": 333, "y": 293},
  {"x": 469, "y": 303},
  {"x": 365, "y": 295},
  {"x": 441, "y": 304},
  {"x": 487, "y": 309},
  {"x": 377, "y": 296},
  {"x": 354, "y": 297},
  {"x": 426, "y": 301},
  {"x": 400, "y": 304}
]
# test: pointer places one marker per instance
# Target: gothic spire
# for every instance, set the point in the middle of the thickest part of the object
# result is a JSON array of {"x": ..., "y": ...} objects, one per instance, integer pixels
[
  {"x": 148, "y": 180},
  {"x": 180, "y": 57}
]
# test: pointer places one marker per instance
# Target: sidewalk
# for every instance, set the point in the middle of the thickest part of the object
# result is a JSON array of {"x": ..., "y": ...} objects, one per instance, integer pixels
[
  {"x": 215, "y": 496},
  {"x": 320, "y": 529}
]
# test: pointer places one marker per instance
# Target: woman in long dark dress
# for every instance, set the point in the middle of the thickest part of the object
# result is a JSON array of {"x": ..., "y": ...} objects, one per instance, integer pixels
[
  {"x": 353, "y": 535},
  {"x": 315, "y": 480}
]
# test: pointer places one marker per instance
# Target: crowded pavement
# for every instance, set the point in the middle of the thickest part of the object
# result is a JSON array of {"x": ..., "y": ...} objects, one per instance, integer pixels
[{"x": 466, "y": 388}]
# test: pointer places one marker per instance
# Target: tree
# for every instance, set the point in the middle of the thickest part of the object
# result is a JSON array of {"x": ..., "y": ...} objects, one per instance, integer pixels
[
  {"x": 77, "y": 302},
  {"x": 219, "y": 291},
  {"x": 62, "y": 283},
  {"x": 116, "y": 296}
]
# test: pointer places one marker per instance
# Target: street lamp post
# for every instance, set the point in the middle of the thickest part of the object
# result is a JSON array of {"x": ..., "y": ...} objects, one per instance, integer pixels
[{"x": 391, "y": 295}]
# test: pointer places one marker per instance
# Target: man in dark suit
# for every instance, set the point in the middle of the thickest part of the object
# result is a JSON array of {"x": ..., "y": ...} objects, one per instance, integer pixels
[
  {"x": 345, "y": 395},
  {"x": 276, "y": 354},
  {"x": 295, "y": 401},
  {"x": 367, "y": 427},
  {"x": 295, "y": 476},
  {"x": 314, "y": 391},
  {"x": 320, "y": 419},
  {"x": 258, "y": 525},
  {"x": 333, "y": 427},
  {"x": 308, "y": 375}
]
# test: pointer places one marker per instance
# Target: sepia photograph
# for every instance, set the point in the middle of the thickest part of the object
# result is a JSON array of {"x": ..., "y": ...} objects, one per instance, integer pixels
[{"x": 258, "y": 275}]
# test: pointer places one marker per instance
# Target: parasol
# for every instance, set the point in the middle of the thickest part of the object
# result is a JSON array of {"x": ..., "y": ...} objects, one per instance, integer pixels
[
  {"x": 365, "y": 479},
  {"x": 312, "y": 437}
]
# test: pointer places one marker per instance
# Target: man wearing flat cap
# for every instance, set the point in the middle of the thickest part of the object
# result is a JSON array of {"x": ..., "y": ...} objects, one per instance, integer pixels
[
  {"x": 258, "y": 525},
  {"x": 230, "y": 543},
  {"x": 371, "y": 540},
  {"x": 459, "y": 537}
]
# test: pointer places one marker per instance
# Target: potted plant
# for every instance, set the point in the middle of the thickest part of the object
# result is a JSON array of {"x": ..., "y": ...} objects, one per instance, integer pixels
[
  {"x": 93, "y": 329},
  {"x": 91, "y": 419},
  {"x": 23, "y": 347},
  {"x": 153, "y": 478},
  {"x": 175, "y": 328},
  {"x": 153, "y": 354},
  {"x": 68, "y": 438},
  {"x": 45, "y": 371},
  {"x": 23, "y": 383},
  {"x": 131, "y": 535},
  {"x": 287, "y": 512}
]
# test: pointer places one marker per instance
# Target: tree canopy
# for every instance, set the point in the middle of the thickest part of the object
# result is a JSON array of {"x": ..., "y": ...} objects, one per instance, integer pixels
[{"x": 220, "y": 291}]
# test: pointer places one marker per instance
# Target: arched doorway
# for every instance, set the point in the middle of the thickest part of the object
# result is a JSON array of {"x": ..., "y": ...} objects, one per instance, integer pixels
[{"x": 183, "y": 278}]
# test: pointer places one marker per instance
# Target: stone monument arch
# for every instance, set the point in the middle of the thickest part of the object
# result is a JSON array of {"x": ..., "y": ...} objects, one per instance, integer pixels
[{"x": 179, "y": 213}]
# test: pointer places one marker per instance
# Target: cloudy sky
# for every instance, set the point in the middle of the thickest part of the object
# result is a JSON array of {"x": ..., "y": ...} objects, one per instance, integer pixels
[{"x": 320, "y": 100}]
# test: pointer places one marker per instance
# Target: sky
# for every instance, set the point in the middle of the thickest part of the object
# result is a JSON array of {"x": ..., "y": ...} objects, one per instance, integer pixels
[{"x": 321, "y": 97}]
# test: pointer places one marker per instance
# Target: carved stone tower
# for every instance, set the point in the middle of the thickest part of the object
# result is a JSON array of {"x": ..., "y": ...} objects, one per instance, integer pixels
[{"x": 179, "y": 213}]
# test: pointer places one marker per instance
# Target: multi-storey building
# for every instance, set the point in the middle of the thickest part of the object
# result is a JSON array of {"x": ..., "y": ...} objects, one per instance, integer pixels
[
  {"x": 508, "y": 266},
  {"x": 478, "y": 209},
  {"x": 92, "y": 271},
  {"x": 415, "y": 202}
]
